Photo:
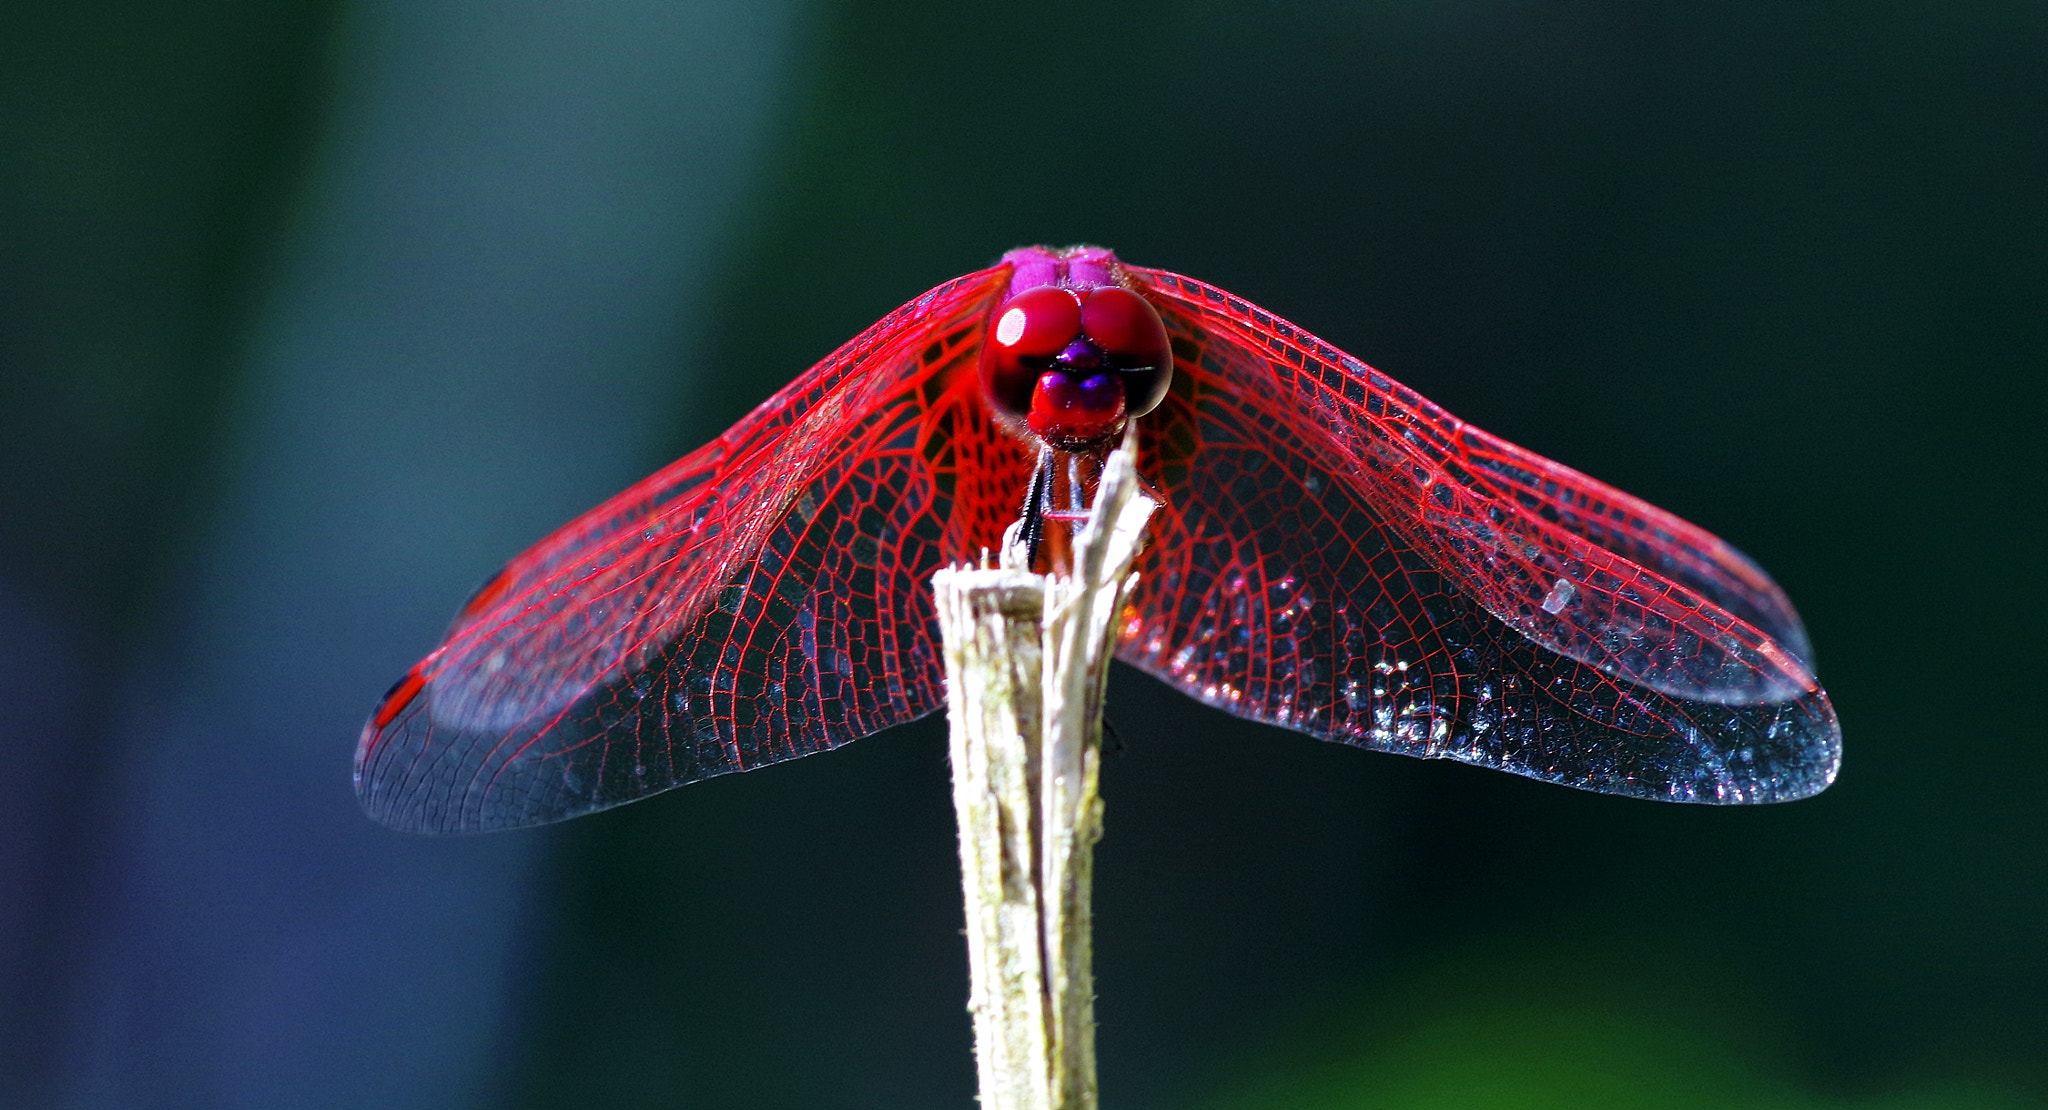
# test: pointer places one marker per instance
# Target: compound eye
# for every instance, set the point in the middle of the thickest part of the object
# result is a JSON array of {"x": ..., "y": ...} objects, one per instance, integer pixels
[
  {"x": 1039, "y": 322},
  {"x": 1133, "y": 338},
  {"x": 1028, "y": 332}
]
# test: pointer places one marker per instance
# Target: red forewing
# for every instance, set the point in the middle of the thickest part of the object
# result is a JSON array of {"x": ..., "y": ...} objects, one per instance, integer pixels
[
  {"x": 1343, "y": 557},
  {"x": 760, "y": 599}
]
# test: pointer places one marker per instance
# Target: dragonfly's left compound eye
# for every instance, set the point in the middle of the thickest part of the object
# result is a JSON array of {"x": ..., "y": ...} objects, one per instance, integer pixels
[{"x": 1029, "y": 332}]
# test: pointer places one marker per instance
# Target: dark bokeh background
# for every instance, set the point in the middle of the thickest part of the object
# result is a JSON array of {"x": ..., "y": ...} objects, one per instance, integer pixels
[{"x": 310, "y": 314}]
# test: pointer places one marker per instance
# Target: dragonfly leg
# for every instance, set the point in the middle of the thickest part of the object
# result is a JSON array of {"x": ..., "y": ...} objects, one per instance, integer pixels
[
  {"x": 1116, "y": 743},
  {"x": 1037, "y": 499},
  {"x": 1045, "y": 502}
]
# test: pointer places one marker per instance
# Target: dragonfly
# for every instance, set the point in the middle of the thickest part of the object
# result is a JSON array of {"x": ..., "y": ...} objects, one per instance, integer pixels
[{"x": 1333, "y": 554}]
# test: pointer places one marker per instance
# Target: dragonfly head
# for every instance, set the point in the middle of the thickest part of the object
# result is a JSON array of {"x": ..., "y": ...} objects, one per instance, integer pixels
[{"x": 1073, "y": 352}]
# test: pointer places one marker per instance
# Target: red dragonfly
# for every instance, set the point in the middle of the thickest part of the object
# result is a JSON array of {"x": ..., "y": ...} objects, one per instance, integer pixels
[{"x": 1335, "y": 554}]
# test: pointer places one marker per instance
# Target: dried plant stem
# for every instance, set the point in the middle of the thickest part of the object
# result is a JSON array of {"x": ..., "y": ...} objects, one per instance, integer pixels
[{"x": 1026, "y": 660}]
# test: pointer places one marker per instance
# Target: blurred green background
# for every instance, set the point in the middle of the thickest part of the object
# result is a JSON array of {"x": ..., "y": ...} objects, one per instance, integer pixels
[{"x": 312, "y": 313}]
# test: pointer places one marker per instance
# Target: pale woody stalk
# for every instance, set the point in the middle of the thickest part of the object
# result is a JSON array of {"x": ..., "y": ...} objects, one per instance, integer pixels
[{"x": 1026, "y": 660}]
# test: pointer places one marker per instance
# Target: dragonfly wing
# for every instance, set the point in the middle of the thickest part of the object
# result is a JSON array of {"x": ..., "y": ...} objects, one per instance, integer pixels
[
  {"x": 760, "y": 599},
  {"x": 1357, "y": 564},
  {"x": 1644, "y": 534}
]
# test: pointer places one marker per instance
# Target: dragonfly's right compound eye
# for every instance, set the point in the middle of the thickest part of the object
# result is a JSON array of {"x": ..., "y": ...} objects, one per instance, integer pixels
[
  {"x": 1132, "y": 338},
  {"x": 1029, "y": 333}
]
